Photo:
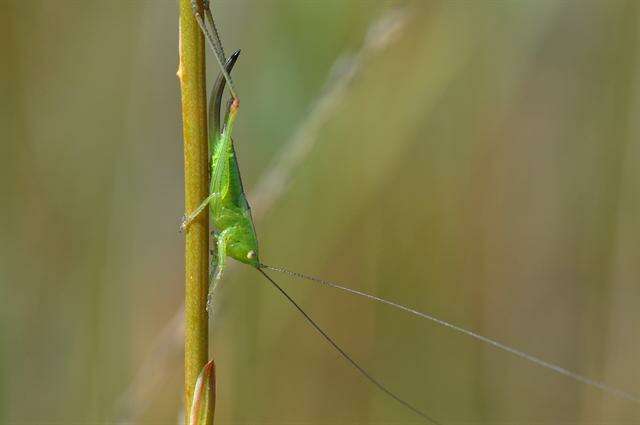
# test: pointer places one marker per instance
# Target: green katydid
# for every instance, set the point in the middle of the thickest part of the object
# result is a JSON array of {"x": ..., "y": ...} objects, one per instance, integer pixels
[{"x": 236, "y": 237}]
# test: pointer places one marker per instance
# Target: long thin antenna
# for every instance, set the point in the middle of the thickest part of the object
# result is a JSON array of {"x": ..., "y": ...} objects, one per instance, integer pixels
[
  {"x": 346, "y": 356},
  {"x": 214, "y": 42},
  {"x": 550, "y": 366}
]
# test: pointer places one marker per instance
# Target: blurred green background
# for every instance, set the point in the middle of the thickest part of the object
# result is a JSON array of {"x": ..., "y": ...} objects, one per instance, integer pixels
[{"x": 474, "y": 159}]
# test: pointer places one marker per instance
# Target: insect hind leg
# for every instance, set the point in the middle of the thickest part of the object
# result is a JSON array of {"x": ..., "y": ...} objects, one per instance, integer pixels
[
  {"x": 218, "y": 264},
  {"x": 213, "y": 282},
  {"x": 213, "y": 39}
]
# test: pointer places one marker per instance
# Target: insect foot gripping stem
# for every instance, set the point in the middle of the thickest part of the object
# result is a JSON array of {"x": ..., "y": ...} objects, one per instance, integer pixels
[
  {"x": 184, "y": 222},
  {"x": 188, "y": 218}
]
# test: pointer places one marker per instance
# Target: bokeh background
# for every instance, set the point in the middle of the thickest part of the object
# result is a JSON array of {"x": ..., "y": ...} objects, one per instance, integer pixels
[{"x": 474, "y": 159}]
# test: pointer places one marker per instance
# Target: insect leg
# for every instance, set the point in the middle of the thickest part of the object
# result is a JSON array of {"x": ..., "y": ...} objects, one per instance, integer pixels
[
  {"x": 215, "y": 44},
  {"x": 188, "y": 218},
  {"x": 218, "y": 263},
  {"x": 213, "y": 283},
  {"x": 221, "y": 245},
  {"x": 206, "y": 6}
]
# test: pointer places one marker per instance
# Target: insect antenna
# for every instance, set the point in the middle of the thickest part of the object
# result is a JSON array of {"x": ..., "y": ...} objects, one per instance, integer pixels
[
  {"x": 346, "y": 355},
  {"x": 528, "y": 357},
  {"x": 213, "y": 39}
]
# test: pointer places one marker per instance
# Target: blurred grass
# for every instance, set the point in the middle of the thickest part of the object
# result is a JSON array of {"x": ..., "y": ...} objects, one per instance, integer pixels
[{"x": 481, "y": 167}]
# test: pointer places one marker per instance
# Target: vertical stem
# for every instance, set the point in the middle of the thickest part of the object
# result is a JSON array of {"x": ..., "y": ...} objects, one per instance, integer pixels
[{"x": 191, "y": 74}]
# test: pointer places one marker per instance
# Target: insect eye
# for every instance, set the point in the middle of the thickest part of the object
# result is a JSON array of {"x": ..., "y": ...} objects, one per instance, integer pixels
[{"x": 251, "y": 255}]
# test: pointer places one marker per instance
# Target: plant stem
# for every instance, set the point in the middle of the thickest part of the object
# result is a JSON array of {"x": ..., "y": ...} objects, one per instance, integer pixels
[{"x": 191, "y": 74}]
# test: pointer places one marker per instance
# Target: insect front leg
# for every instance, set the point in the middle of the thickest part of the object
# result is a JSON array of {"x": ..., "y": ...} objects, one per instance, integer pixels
[{"x": 188, "y": 218}]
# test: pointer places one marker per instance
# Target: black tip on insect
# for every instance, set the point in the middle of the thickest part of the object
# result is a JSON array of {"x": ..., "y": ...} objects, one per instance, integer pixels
[{"x": 215, "y": 102}]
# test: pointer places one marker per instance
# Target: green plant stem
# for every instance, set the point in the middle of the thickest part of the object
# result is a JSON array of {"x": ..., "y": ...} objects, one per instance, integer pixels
[{"x": 191, "y": 74}]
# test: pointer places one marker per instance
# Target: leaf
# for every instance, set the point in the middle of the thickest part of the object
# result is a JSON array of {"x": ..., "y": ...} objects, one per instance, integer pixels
[{"x": 204, "y": 396}]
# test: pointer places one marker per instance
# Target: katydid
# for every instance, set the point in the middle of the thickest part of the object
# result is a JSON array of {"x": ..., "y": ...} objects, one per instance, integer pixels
[{"x": 236, "y": 237}]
